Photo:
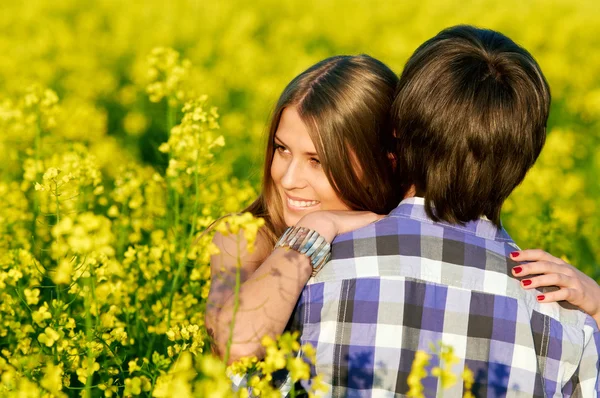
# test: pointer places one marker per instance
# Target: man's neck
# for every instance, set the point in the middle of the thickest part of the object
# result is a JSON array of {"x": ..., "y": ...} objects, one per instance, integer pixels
[{"x": 411, "y": 193}]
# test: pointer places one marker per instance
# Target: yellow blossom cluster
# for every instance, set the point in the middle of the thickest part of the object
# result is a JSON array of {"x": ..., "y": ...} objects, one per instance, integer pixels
[
  {"x": 282, "y": 353},
  {"x": 191, "y": 143},
  {"x": 244, "y": 223},
  {"x": 446, "y": 359},
  {"x": 102, "y": 291},
  {"x": 167, "y": 75}
]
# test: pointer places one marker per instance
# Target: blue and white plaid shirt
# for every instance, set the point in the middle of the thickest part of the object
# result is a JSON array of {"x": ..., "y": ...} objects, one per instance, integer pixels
[{"x": 398, "y": 285}]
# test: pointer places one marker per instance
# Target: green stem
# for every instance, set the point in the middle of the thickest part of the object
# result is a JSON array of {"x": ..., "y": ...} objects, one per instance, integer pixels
[
  {"x": 173, "y": 259},
  {"x": 170, "y": 117},
  {"x": 122, "y": 231},
  {"x": 89, "y": 335},
  {"x": 36, "y": 199},
  {"x": 236, "y": 304},
  {"x": 57, "y": 221},
  {"x": 150, "y": 346},
  {"x": 293, "y": 390},
  {"x": 187, "y": 244},
  {"x": 173, "y": 196},
  {"x": 57, "y": 201}
]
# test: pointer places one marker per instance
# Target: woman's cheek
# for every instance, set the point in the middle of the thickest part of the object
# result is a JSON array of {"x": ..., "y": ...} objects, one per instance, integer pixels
[{"x": 326, "y": 195}]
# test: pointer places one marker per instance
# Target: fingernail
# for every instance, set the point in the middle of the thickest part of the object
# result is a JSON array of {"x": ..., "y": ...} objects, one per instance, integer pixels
[
  {"x": 526, "y": 282},
  {"x": 514, "y": 254},
  {"x": 541, "y": 297},
  {"x": 517, "y": 270}
]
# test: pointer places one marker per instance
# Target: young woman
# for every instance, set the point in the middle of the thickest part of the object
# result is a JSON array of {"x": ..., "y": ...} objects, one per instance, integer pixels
[{"x": 330, "y": 147}]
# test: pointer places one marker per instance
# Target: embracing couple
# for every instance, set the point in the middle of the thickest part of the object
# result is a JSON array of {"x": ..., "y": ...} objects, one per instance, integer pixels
[{"x": 382, "y": 201}]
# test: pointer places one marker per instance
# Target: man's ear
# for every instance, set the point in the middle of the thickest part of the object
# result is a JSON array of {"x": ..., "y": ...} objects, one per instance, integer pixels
[
  {"x": 393, "y": 158},
  {"x": 392, "y": 155}
]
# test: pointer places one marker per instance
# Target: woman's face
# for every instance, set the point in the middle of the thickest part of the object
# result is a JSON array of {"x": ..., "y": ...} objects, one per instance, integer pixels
[{"x": 297, "y": 172}]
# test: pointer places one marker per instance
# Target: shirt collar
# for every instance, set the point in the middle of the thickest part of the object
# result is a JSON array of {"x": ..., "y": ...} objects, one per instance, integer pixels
[{"x": 415, "y": 208}]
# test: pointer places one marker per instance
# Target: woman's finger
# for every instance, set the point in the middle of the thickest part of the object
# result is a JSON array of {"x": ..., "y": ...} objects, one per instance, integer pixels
[
  {"x": 534, "y": 255},
  {"x": 564, "y": 294},
  {"x": 554, "y": 279},
  {"x": 541, "y": 267}
]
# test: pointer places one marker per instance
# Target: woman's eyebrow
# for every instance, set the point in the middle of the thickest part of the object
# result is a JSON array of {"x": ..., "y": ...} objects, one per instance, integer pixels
[{"x": 275, "y": 138}]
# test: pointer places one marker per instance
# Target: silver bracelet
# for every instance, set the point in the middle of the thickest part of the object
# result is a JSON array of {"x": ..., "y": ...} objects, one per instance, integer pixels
[{"x": 309, "y": 242}]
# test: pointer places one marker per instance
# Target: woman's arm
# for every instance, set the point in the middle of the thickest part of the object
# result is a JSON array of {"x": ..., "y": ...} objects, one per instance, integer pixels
[
  {"x": 268, "y": 291},
  {"x": 575, "y": 287}
]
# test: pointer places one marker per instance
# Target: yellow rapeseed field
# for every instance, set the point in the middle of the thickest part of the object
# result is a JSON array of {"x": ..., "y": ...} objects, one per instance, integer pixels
[{"x": 128, "y": 127}]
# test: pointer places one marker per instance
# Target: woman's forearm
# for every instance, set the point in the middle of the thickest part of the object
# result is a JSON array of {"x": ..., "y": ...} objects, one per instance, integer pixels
[{"x": 263, "y": 305}]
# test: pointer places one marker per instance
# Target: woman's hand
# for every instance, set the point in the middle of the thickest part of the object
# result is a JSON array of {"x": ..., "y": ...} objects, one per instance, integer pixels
[
  {"x": 574, "y": 286},
  {"x": 329, "y": 224}
]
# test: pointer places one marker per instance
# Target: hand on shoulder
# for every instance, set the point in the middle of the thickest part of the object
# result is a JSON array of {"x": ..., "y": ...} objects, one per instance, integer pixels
[{"x": 574, "y": 286}]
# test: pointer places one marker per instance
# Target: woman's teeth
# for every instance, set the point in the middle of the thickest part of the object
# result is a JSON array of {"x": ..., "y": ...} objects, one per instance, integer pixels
[{"x": 302, "y": 203}]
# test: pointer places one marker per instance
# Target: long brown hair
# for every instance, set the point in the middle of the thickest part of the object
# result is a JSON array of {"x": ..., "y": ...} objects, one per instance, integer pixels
[{"x": 345, "y": 103}]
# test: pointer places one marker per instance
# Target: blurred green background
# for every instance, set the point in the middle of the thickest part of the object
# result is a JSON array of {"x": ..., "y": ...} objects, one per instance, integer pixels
[{"x": 242, "y": 54}]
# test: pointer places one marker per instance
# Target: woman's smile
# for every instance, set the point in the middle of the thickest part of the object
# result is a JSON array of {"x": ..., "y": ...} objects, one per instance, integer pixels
[{"x": 294, "y": 203}]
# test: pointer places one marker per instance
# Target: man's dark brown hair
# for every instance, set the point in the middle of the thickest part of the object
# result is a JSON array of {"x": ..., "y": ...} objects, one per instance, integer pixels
[{"x": 470, "y": 117}]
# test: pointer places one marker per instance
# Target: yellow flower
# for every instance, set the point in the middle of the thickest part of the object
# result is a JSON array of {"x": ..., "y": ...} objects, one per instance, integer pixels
[
  {"x": 447, "y": 355},
  {"x": 309, "y": 352},
  {"x": 469, "y": 380},
  {"x": 49, "y": 337},
  {"x": 63, "y": 273},
  {"x": 109, "y": 388},
  {"x": 417, "y": 373},
  {"x": 267, "y": 341},
  {"x": 446, "y": 376},
  {"x": 32, "y": 296},
  {"x": 85, "y": 371},
  {"x": 52, "y": 380},
  {"x": 41, "y": 315},
  {"x": 288, "y": 342},
  {"x": 299, "y": 370},
  {"x": 242, "y": 365},
  {"x": 243, "y": 393},
  {"x": 135, "y": 123},
  {"x": 133, "y": 366},
  {"x": 317, "y": 386}
]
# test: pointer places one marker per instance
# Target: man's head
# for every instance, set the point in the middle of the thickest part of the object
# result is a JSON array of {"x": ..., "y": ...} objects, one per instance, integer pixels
[{"x": 470, "y": 116}]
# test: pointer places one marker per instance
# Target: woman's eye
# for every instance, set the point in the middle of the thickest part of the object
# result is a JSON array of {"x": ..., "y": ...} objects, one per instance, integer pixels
[
  {"x": 315, "y": 162},
  {"x": 281, "y": 149}
]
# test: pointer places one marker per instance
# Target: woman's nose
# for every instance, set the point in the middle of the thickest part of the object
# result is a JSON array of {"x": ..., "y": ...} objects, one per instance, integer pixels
[{"x": 293, "y": 176}]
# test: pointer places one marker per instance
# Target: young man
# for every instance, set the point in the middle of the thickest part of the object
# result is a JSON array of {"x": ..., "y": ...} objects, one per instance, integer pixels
[{"x": 470, "y": 116}]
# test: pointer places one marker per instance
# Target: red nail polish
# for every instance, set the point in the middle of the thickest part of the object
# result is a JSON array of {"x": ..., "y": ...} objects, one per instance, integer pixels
[
  {"x": 541, "y": 297},
  {"x": 514, "y": 254},
  {"x": 526, "y": 282},
  {"x": 517, "y": 270}
]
